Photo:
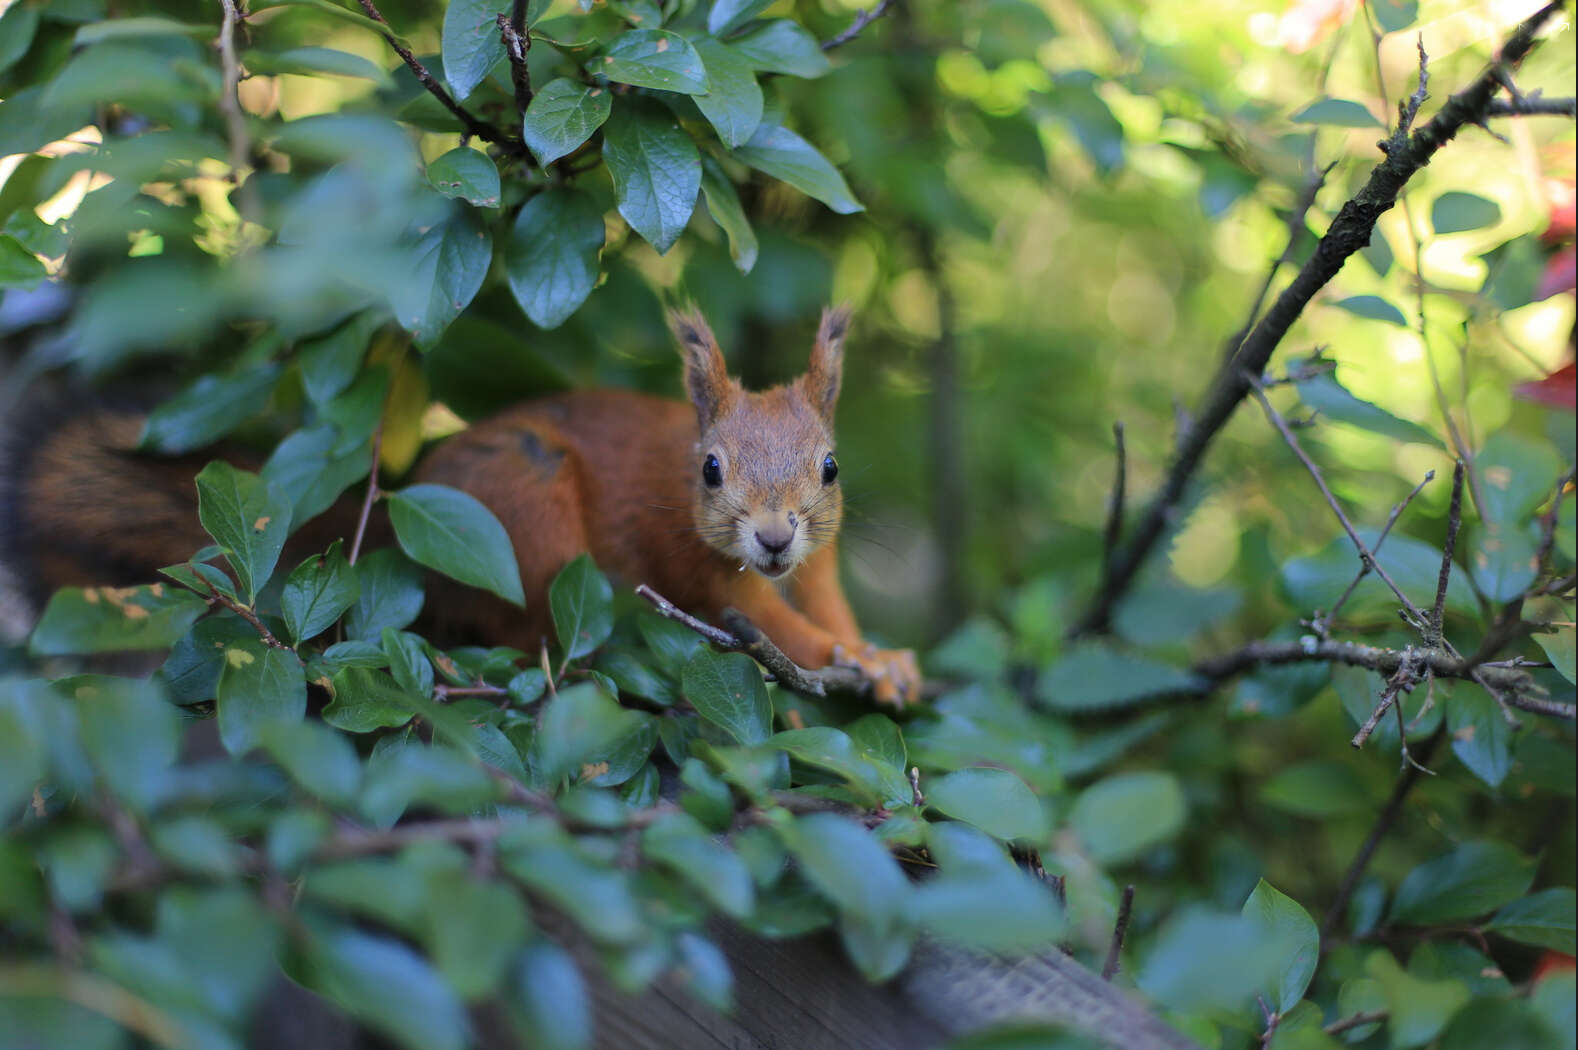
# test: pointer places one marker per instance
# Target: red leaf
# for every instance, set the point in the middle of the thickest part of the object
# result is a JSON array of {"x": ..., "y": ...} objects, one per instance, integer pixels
[
  {"x": 1557, "y": 390},
  {"x": 1559, "y": 274}
]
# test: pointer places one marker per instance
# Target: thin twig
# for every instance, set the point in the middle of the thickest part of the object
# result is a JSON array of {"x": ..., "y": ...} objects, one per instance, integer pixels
[
  {"x": 1363, "y": 1017},
  {"x": 372, "y": 493},
  {"x": 230, "y": 106},
  {"x": 863, "y": 18},
  {"x": 744, "y": 637},
  {"x": 1366, "y": 555},
  {"x": 1448, "y": 550},
  {"x": 1551, "y": 516},
  {"x": 1323, "y": 623},
  {"x": 478, "y": 128},
  {"x": 1120, "y": 929},
  {"x": 1383, "y": 824},
  {"x": 1114, "y": 529},
  {"x": 1348, "y": 233}
]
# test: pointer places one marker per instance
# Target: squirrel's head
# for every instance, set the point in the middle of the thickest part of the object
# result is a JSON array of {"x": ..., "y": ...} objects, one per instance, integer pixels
[{"x": 765, "y": 476}]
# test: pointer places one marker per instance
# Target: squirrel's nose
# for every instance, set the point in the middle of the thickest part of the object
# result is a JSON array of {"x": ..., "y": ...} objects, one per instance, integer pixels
[{"x": 776, "y": 536}]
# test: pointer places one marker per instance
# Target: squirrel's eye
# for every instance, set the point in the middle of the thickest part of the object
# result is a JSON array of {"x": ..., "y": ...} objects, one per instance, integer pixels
[
  {"x": 712, "y": 472},
  {"x": 829, "y": 469}
]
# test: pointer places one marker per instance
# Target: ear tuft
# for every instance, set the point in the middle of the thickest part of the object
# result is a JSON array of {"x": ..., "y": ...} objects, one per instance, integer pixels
[
  {"x": 825, "y": 374},
  {"x": 706, "y": 376}
]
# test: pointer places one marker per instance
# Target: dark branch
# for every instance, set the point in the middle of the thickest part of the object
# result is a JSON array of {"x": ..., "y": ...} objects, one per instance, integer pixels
[
  {"x": 1120, "y": 929},
  {"x": 1533, "y": 106},
  {"x": 1120, "y": 475},
  {"x": 517, "y": 41},
  {"x": 863, "y": 19},
  {"x": 1349, "y": 232},
  {"x": 1448, "y": 549},
  {"x": 1383, "y": 824},
  {"x": 478, "y": 128}
]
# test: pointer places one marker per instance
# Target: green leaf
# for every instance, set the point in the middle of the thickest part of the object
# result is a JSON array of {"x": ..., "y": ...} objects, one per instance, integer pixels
[
  {"x": 1336, "y": 112},
  {"x": 129, "y": 733},
  {"x": 1517, "y": 474},
  {"x": 258, "y": 686},
  {"x": 781, "y": 45},
  {"x": 366, "y": 699},
  {"x": 734, "y": 103},
  {"x": 994, "y": 800},
  {"x": 578, "y": 727},
  {"x": 1331, "y": 399},
  {"x": 552, "y": 998},
  {"x": 1503, "y": 1024},
  {"x": 209, "y": 409},
  {"x": 310, "y": 61},
  {"x": 1373, "y": 307},
  {"x": 656, "y": 170},
  {"x": 1545, "y": 919},
  {"x": 592, "y": 894},
  {"x": 17, "y": 27},
  {"x": 1394, "y": 15},
  {"x": 552, "y": 258},
  {"x": 451, "y": 531},
  {"x": 390, "y": 587},
  {"x": 472, "y": 45},
  {"x": 563, "y": 115},
  {"x": 23, "y": 756},
  {"x": 1418, "y": 1008},
  {"x": 449, "y": 261},
  {"x": 1202, "y": 960},
  {"x": 1455, "y": 212},
  {"x": 1095, "y": 676},
  {"x": 81, "y": 620},
  {"x": 408, "y": 662},
  {"x": 476, "y": 933},
  {"x": 1281, "y": 919},
  {"x": 197, "y": 845},
  {"x": 781, "y": 153},
  {"x": 1120, "y": 817},
  {"x": 311, "y": 473},
  {"x": 19, "y": 268},
  {"x": 466, "y": 174},
  {"x": 726, "y": 689},
  {"x": 1473, "y": 879},
  {"x": 317, "y": 593},
  {"x": 1559, "y": 650},
  {"x": 723, "y": 204},
  {"x": 653, "y": 58},
  {"x": 582, "y": 603},
  {"x": 850, "y": 867},
  {"x": 679, "y": 842},
  {"x": 248, "y": 517},
  {"x": 433, "y": 776},
  {"x": 321, "y": 760},
  {"x": 980, "y": 899},
  {"x": 1317, "y": 789},
  {"x": 1481, "y": 738},
  {"x": 728, "y": 15},
  {"x": 329, "y": 362},
  {"x": 387, "y": 986},
  {"x": 227, "y": 941},
  {"x": 139, "y": 26}
]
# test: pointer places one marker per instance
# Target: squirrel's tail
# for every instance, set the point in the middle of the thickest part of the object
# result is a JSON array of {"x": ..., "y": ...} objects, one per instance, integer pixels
[{"x": 80, "y": 506}]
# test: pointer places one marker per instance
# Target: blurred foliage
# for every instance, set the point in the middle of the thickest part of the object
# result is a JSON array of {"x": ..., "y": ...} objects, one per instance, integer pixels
[{"x": 1048, "y": 215}]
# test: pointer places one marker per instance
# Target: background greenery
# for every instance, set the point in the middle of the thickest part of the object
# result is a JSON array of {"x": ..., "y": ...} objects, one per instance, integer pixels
[{"x": 1049, "y": 217}]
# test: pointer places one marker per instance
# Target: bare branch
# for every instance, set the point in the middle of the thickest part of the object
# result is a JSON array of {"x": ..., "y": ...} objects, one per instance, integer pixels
[
  {"x": 230, "y": 106},
  {"x": 743, "y": 636},
  {"x": 1349, "y": 232},
  {"x": 863, "y": 18},
  {"x": 1363, "y": 1017},
  {"x": 1323, "y": 624},
  {"x": 372, "y": 494},
  {"x": 1448, "y": 549}
]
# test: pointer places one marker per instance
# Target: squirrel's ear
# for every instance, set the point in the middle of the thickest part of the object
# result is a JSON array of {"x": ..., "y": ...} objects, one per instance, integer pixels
[
  {"x": 822, "y": 379},
  {"x": 706, "y": 375}
]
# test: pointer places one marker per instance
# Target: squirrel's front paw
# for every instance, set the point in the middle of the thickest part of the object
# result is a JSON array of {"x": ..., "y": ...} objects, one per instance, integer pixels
[{"x": 895, "y": 676}]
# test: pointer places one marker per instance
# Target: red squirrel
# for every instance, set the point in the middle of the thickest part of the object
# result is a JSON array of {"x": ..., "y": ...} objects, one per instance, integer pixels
[
  {"x": 712, "y": 503},
  {"x": 715, "y": 504}
]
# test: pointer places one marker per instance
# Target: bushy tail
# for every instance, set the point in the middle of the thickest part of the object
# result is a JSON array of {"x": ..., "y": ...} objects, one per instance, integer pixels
[{"x": 80, "y": 506}]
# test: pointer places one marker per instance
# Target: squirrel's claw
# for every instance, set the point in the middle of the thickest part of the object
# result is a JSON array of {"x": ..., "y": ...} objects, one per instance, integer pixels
[{"x": 895, "y": 676}]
